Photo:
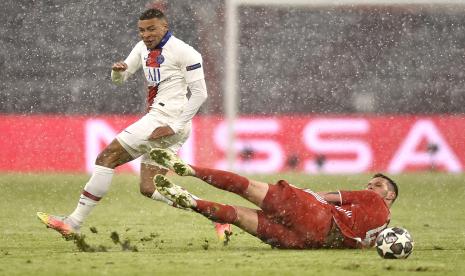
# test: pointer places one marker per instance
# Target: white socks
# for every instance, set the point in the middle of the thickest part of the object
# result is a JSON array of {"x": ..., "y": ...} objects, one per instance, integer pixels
[{"x": 95, "y": 189}]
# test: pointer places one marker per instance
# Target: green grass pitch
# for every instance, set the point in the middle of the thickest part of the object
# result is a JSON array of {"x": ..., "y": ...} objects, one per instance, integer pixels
[{"x": 174, "y": 242}]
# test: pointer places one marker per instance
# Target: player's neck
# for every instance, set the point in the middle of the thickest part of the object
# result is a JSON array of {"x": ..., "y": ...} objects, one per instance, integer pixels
[{"x": 388, "y": 203}]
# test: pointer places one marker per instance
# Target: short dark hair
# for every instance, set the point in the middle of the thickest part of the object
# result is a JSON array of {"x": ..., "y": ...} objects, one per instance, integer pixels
[
  {"x": 152, "y": 13},
  {"x": 391, "y": 182}
]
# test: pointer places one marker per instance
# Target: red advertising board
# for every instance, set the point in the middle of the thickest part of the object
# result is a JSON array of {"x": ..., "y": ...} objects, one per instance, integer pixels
[{"x": 311, "y": 144}]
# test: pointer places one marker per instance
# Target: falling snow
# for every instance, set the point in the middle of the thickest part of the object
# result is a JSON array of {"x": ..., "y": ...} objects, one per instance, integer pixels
[{"x": 55, "y": 57}]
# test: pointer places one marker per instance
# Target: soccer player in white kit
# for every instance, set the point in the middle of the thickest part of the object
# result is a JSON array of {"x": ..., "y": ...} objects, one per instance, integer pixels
[{"x": 170, "y": 67}]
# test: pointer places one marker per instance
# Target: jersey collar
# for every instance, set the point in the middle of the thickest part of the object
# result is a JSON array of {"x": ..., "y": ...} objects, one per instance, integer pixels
[{"x": 164, "y": 40}]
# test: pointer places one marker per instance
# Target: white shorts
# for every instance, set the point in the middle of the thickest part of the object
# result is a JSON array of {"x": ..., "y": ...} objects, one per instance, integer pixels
[{"x": 134, "y": 138}]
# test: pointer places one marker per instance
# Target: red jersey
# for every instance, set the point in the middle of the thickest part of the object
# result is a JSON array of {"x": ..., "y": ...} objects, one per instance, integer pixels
[
  {"x": 295, "y": 218},
  {"x": 361, "y": 216}
]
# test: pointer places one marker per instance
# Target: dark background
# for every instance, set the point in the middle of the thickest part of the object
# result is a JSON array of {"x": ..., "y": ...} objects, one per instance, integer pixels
[{"x": 55, "y": 57}]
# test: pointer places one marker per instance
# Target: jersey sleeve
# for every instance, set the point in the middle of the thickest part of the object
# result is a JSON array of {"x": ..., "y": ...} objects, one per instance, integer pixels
[
  {"x": 355, "y": 197},
  {"x": 133, "y": 61},
  {"x": 191, "y": 64}
]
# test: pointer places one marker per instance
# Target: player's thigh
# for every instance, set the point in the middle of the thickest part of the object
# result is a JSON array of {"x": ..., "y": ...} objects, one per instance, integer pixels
[
  {"x": 276, "y": 234},
  {"x": 281, "y": 201},
  {"x": 147, "y": 172},
  {"x": 256, "y": 192},
  {"x": 113, "y": 155},
  {"x": 172, "y": 142},
  {"x": 135, "y": 138}
]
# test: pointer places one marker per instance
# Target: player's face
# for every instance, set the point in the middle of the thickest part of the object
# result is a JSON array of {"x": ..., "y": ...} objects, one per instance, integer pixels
[
  {"x": 151, "y": 31},
  {"x": 379, "y": 185}
]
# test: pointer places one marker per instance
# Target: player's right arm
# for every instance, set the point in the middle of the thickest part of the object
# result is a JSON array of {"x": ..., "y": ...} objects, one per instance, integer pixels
[
  {"x": 331, "y": 197},
  {"x": 122, "y": 70},
  {"x": 347, "y": 197},
  {"x": 119, "y": 66},
  {"x": 367, "y": 197}
]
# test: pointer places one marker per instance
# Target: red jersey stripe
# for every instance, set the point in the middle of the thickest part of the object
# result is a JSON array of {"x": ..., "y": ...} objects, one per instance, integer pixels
[
  {"x": 91, "y": 196},
  {"x": 152, "y": 61}
]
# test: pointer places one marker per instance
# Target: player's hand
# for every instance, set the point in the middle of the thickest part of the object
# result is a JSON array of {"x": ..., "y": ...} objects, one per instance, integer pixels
[
  {"x": 119, "y": 66},
  {"x": 160, "y": 132}
]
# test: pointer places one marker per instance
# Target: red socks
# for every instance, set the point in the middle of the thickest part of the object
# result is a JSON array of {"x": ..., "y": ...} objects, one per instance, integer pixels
[
  {"x": 217, "y": 212},
  {"x": 223, "y": 180}
]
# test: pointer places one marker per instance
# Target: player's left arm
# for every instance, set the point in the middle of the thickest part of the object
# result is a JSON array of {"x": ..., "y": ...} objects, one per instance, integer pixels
[
  {"x": 198, "y": 95},
  {"x": 192, "y": 67}
]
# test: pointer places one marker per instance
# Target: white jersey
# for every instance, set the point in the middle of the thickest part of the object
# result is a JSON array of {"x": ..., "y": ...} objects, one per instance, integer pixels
[{"x": 168, "y": 70}]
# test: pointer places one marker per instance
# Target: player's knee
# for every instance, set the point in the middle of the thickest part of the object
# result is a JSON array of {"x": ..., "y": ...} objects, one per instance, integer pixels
[
  {"x": 111, "y": 159},
  {"x": 104, "y": 160},
  {"x": 100, "y": 160}
]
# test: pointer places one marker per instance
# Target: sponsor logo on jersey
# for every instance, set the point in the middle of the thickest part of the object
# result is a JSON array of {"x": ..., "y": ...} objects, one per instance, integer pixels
[
  {"x": 153, "y": 75},
  {"x": 193, "y": 67}
]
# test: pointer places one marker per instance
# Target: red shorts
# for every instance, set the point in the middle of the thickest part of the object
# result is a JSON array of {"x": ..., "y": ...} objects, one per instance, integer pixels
[{"x": 293, "y": 218}]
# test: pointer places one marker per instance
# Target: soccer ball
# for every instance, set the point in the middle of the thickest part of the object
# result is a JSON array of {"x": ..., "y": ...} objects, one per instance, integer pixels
[{"x": 394, "y": 243}]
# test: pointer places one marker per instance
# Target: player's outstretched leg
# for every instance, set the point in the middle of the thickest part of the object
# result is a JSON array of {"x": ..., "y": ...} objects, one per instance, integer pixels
[
  {"x": 184, "y": 199},
  {"x": 215, "y": 211},
  {"x": 59, "y": 224},
  {"x": 220, "y": 179},
  {"x": 254, "y": 191},
  {"x": 171, "y": 161}
]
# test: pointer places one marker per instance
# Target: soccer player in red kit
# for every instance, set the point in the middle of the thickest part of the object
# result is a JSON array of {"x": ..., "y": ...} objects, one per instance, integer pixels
[{"x": 289, "y": 217}]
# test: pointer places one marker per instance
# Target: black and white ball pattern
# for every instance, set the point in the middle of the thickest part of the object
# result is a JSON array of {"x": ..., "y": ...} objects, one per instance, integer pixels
[{"x": 394, "y": 243}]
